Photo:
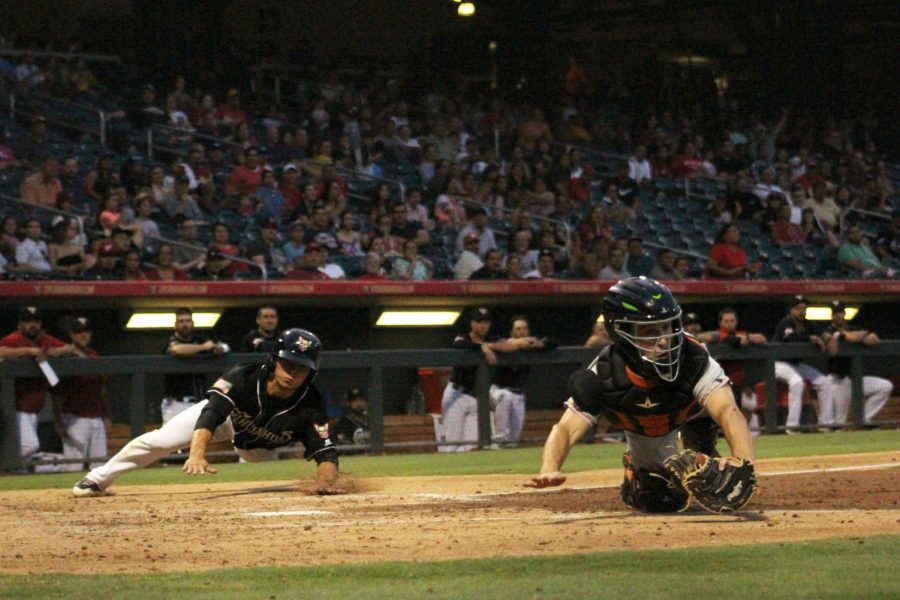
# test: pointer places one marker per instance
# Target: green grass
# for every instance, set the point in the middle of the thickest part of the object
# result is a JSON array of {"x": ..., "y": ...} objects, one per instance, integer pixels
[
  {"x": 524, "y": 460},
  {"x": 787, "y": 570}
]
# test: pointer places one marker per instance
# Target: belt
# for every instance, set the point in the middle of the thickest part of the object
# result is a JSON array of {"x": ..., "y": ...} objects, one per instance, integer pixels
[{"x": 191, "y": 399}]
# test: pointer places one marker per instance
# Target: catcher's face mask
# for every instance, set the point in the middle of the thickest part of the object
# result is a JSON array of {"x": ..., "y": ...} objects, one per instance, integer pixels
[{"x": 658, "y": 343}]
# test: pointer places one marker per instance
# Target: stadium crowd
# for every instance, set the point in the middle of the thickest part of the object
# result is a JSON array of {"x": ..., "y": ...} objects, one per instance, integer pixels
[{"x": 368, "y": 177}]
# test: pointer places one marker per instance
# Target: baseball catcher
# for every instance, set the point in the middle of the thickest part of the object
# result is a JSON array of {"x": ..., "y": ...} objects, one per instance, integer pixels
[
  {"x": 257, "y": 407},
  {"x": 659, "y": 385}
]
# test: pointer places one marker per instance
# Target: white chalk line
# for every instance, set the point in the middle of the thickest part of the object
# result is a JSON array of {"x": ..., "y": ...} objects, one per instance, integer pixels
[{"x": 482, "y": 496}]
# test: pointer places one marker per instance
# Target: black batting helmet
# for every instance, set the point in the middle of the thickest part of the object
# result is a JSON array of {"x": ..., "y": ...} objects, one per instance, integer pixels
[
  {"x": 298, "y": 346},
  {"x": 638, "y": 313}
]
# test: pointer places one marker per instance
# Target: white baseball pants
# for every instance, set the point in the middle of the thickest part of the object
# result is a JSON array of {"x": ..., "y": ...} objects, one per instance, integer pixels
[
  {"x": 87, "y": 440},
  {"x": 28, "y": 436},
  {"x": 876, "y": 392},
  {"x": 173, "y": 436},
  {"x": 460, "y": 416},
  {"x": 509, "y": 414},
  {"x": 786, "y": 374}
]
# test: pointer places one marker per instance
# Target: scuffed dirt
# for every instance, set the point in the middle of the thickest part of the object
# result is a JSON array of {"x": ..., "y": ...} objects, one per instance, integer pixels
[{"x": 215, "y": 525}]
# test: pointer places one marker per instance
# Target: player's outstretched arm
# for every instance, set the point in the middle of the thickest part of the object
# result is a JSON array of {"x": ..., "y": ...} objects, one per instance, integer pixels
[
  {"x": 196, "y": 463},
  {"x": 565, "y": 434},
  {"x": 723, "y": 409}
]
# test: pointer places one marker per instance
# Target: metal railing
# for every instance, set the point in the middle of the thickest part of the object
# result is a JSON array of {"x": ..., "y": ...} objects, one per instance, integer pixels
[
  {"x": 34, "y": 103},
  {"x": 138, "y": 368},
  {"x": 86, "y": 56},
  {"x": 155, "y": 133},
  {"x": 354, "y": 173}
]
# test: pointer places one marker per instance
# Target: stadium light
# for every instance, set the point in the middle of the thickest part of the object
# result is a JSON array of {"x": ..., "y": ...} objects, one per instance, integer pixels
[
  {"x": 466, "y": 9},
  {"x": 166, "y": 320},
  {"x": 823, "y": 313},
  {"x": 417, "y": 318}
]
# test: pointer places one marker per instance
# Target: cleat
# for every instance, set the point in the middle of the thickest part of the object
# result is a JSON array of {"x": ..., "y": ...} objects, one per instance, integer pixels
[{"x": 87, "y": 489}]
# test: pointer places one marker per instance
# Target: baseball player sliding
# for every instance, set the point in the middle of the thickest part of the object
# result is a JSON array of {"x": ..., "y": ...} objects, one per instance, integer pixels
[
  {"x": 258, "y": 407},
  {"x": 655, "y": 383}
]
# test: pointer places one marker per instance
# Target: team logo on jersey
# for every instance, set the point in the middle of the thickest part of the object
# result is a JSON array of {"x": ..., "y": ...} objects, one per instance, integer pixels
[
  {"x": 322, "y": 430},
  {"x": 647, "y": 403},
  {"x": 303, "y": 344}
]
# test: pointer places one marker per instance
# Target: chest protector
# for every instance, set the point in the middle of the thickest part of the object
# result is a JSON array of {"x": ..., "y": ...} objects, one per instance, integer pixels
[{"x": 630, "y": 402}]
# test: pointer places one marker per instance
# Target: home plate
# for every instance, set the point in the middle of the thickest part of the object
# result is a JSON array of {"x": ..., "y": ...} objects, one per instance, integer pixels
[{"x": 290, "y": 513}]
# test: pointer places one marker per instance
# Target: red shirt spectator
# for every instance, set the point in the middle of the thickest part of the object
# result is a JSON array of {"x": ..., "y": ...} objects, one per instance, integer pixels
[
  {"x": 727, "y": 260},
  {"x": 243, "y": 180},
  {"x": 687, "y": 164},
  {"x": 231, "y": 111},
  {"x": 307, "y": 267}
]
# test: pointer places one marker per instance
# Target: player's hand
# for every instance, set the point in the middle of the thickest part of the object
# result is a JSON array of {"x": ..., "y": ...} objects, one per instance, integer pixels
[
  {"x": 198, "y": 466},
  {"x": 546, "y": 480},
  {"x": 490, "y": 356},
  {"x": 61, "y": 431}
]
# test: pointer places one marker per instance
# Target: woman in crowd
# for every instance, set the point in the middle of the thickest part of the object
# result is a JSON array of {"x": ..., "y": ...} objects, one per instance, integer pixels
[
  {"x": 348, "y": 237},
  {"x": 165, "y": 269},
  {"x": 727, "y": 259},
  {"x": 412, "y": 266},
  {"x": 132, "y": 270},
  {"x": 65, "y": 255},
  {"x": 595, "y": 225}
]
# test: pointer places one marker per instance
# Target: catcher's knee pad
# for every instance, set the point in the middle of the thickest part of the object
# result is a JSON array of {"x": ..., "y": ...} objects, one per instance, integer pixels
[
  {"x": 650, "y": 492},
  {"x": 700, "y": 435}
]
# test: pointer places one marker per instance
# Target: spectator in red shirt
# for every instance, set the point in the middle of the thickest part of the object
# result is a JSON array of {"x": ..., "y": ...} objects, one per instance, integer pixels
[
  {"x": 165, "y": 268},
  {"x": 230, "y": 112},
  {"x": 727, "y": 259},
  {"x": 31, "y": 393},
  {"x": 688, "y": 163},
  {"x": 308, "y": 265},
  {"x": 785, "y": 233},
  {"x": 288, "y": 187},
  {"x": 246, "y": 175}
]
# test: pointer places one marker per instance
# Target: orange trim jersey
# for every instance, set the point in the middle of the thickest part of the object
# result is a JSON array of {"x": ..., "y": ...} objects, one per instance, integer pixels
[{"x": 607, "y": 387}]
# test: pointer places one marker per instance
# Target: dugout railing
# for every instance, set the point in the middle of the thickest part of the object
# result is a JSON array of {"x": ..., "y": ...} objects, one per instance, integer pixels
[{"x": 138, "y": 368}]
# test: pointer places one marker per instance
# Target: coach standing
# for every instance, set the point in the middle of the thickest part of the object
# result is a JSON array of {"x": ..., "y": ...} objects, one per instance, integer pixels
[
  {"x": 262, "y": 338},
  {"x": 83, "y": 404},
  {"x": 508, "y": 386},
  {"x": 458, "y": 405},
  {"x": 183, "y": 390}
]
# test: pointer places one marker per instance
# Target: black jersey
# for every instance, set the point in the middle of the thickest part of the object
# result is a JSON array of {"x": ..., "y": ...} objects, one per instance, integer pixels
[
  {"x": 188, "y": 387},
  {"x": 255, "y": 341},
  {"x": 464, "y": 377},
  {"x": 840, "y": 365},
  {"x": 609, "y": 388},
  {"x": 261, "y": 421},
  {"x": 791, "y": 332}
]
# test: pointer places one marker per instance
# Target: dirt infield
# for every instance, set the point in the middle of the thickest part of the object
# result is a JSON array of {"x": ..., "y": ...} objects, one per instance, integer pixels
[{"x": 210, "y": 525}]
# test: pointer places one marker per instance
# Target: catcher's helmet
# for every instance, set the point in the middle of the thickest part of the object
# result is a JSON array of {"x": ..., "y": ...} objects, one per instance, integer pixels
[
  {"x": 642, "y": 316},
  {"x": 298, "y": 346}
]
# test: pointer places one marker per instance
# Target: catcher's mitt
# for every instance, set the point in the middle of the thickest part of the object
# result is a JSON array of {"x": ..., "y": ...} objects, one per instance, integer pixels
[{"x": 718, "y": 491}]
